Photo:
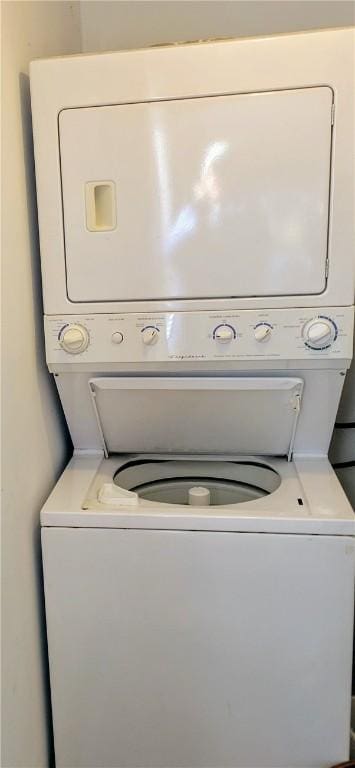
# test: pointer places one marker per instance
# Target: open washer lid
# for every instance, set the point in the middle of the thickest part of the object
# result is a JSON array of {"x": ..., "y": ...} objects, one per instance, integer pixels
[{"x": 245, "y": 415}]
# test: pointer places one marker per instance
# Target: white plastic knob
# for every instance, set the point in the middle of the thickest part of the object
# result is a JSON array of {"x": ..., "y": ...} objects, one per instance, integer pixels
[
  {"x": 262, "y": 332},
  {"x": 117, "y": 337},
  {"x": 150, "y": 336},
  {"x": 74, "y": 339},
  {"x": 319, "y": 333},
  {"x": 224, "y": 333}
]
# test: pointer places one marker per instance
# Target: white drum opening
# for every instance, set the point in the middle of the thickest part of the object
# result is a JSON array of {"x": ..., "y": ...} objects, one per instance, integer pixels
[{"x": 176, "y": 481}]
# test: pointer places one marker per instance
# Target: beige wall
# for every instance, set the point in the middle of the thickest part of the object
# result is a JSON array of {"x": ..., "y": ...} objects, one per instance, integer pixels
[
  {"x": 112, "y": 25},
  {"x": 35, "y": 440}
]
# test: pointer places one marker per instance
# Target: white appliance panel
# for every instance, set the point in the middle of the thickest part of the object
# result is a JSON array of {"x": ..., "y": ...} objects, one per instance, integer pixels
[
  {"x": 197, "y": 198},
  {"x": 73, "y": 502},
  {"x": 200, "y": 337},
  {"x": 182, "y": 649}
]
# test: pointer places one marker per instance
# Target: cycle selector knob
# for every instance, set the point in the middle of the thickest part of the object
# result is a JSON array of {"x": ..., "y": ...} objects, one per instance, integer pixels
[
  {"x": 319, "y": 333},
  {"x": 74, "y": 339},
  {"x": 224, "y": 333},
  {"x": 262, "y": 332},
  {"x": 150, "y": 335}
]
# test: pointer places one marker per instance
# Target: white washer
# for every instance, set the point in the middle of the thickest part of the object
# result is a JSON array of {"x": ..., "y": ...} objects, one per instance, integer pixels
[
  {"x": 198, "y": 277},
  {"x": 189, "y": 636},
  {"x": 194, "y": 636}
]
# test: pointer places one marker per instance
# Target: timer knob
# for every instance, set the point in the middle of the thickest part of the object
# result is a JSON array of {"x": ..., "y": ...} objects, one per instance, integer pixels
[
  {"x": 262, "y": 332},
  {"x": 74, "y": 339},
  {"x": 150, "y": 335},
  {"x": 319, "y": 333},
  {"x": 224, "y": 333}
]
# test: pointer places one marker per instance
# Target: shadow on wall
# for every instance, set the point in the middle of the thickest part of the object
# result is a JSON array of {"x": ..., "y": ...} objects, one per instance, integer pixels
[
  {"x": 35, "y": 246},
  {"x": 42, "y": 372},
  {"x": 342, "y": 449}
]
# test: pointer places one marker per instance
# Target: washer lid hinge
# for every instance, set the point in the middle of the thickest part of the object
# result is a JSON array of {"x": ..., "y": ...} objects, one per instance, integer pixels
[
  {"x": 93, "y": 400},
  {"x": 296, "y": 405}
]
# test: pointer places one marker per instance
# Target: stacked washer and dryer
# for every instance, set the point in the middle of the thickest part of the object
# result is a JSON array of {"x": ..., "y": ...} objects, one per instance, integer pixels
[{"x": 196, "y": 224}]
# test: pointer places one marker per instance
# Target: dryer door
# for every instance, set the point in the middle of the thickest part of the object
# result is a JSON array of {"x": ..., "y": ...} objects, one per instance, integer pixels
[{"x": 223, "y": 196}]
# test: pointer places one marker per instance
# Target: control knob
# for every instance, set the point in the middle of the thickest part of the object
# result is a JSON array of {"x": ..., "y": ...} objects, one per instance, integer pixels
[
  {"x": 319, "y": 333},
  {"x": 117, "y": 337},
  {"x": 262, "y": 332},
  {"x": 224, "y": 333},
  {"x": 150, "y": 335},
  {"x": 74, "y": 339}
]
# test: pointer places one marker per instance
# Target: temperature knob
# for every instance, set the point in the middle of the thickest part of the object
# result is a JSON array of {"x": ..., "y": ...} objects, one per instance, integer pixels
[
  {"x": 319, "y": 333},
  {"x": 262, "y": 332},
  {"x": 150, "y": 335},
  {"x": 224, "y": 333},
  {"x": 74, "y": 339}
]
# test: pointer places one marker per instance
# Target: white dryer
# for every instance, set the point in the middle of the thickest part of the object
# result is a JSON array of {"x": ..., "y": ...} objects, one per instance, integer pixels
[{"x": 198, "y": 275}]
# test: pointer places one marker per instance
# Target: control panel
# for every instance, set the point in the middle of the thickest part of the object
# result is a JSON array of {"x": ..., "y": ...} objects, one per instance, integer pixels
[{"x": 197, "y": 336}]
